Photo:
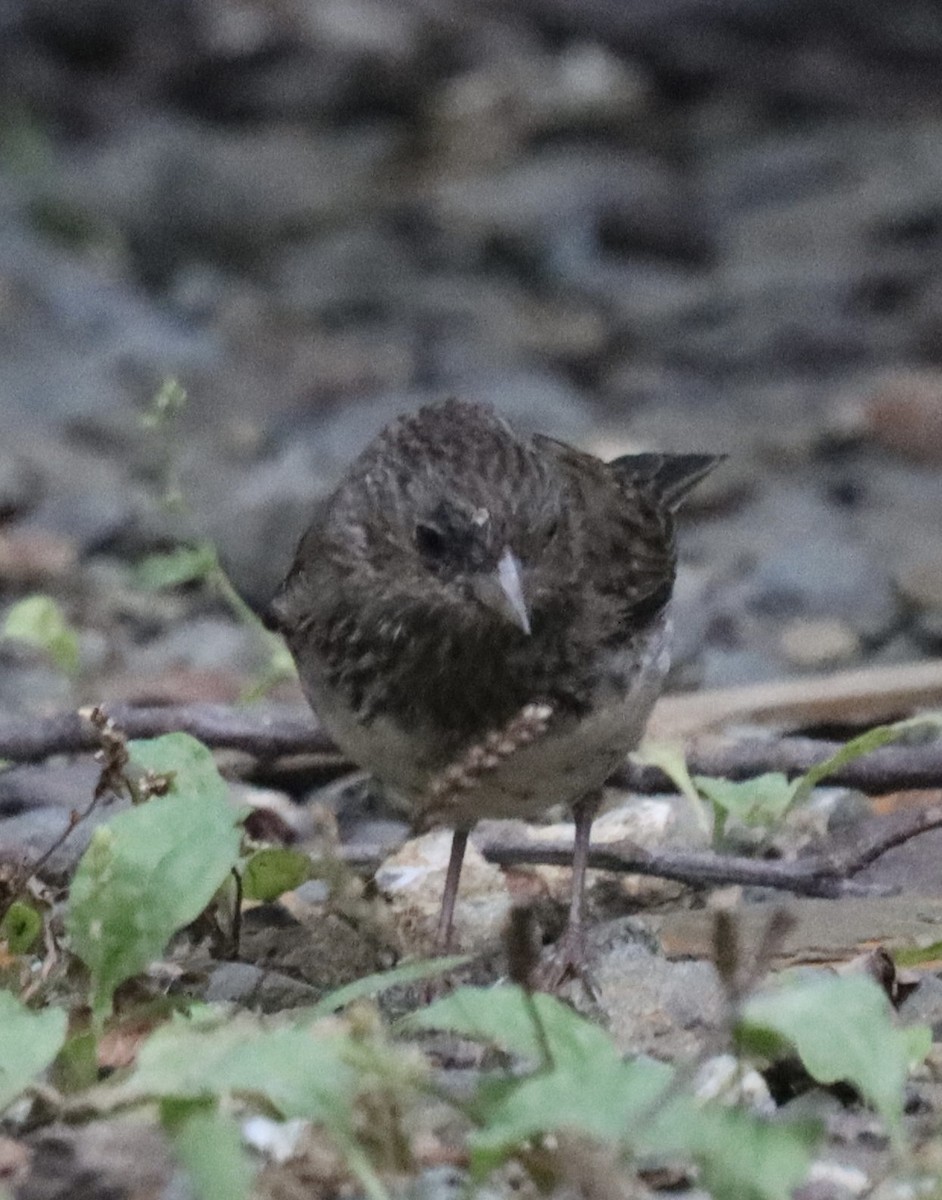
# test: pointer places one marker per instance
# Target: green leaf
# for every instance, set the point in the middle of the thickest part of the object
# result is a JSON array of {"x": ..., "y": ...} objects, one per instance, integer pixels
[
  {"x": 186, "y": 564},
  {"x": 763, "y": 800},
  {"x": 272, "y": 871},
  {"x": 669, "y": 757},
  {"x": 916, "y": 956},
  {"x": 587, "y": 1087},
  {"x": 20, "y": 927},
  {"x": 873, "y": 739},
  {"x": 29, "y": 1041},
  {"x": 381, "y": 981},
  {"x": 504, "y": 1017},
  {"x": 741, "y": 1156},
  {"x": 76, "y": 1065},
  {"x": 153, "y": 869},
  {"x": 841, "y": 1028},
  {"x": 301, "y": 1073},
  {"x": 167, "y": 404},
  {"x": 298, "y": 1071},
  {"x": 39, "y": 621},
  {"x": 210, "y": 1148}
]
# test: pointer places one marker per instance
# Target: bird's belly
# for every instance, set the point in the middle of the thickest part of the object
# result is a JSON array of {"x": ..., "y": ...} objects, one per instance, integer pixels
[{"x": 571, "y": 758}]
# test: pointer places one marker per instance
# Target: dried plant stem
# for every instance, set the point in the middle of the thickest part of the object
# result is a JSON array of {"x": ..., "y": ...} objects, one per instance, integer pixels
[{"x": 447, "y": 788}]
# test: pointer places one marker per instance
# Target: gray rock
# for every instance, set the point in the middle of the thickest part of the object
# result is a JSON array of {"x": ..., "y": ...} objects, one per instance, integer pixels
[
  {"x": 251, "y": 986},
  {"x": 653, "y": 1006},
  {"x": 99, "y": 1161},
  {"x": 202, "y": 643},
  {"x": 21, "y": 484},
  {"x": 182, "y": 190}
]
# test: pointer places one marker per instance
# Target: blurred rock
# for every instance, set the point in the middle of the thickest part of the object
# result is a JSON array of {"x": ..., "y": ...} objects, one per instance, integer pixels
[
  {"x": 653, "y": 1006},
  {"x": 99, "y": 1161},
  {"x": 34, "y": 558},
  {"x": 254, "y": 987},
  {"x": 818, "y": 644},
  {"x": 920, "y": 586},
  {"x": 20, "y": 485},
  {"x": 903, "y": 413}
]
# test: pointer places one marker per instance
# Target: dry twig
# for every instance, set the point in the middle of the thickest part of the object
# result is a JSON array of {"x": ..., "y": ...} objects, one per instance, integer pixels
[
  {"x": 290, "y": 731},
  {"x": 827, "y": 875}
]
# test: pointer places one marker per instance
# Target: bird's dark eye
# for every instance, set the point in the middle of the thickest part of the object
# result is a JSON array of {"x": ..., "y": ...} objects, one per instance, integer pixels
[{"x": 430, "y": 540}]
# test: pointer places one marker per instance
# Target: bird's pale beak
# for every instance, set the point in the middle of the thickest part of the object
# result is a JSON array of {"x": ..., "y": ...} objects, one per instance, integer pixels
[{"x": 502, "y": 590}]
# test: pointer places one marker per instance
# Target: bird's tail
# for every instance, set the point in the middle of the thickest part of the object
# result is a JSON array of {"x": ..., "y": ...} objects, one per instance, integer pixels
[{"x": 670, "y": 476}]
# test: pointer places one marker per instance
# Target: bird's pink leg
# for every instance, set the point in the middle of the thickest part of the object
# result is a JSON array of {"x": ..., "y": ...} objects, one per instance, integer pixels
[
  {"x": 446, "y": 919},
  {"x": 568, "y": 955}
]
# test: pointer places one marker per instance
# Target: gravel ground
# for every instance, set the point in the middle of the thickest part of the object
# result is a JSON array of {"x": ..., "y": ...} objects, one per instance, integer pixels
[{"x": 678, "y": 225}]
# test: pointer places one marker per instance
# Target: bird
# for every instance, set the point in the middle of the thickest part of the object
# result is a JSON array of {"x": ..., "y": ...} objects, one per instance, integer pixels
[{"x": 481, "y": 619}]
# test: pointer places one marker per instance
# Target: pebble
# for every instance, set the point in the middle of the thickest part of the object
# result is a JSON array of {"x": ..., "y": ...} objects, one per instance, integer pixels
[
  {"x": 819, "y": 643},
  {"x": 34, "y": 557},
  {"x": 413, "y": 880},
  {"x": 903, "y": 413},
  {"x": 20, "y": 484},
  {"x": 725, "y": 1078},
  {"x": 256, "y": 987},
  {"x": 921, "y": 586}
]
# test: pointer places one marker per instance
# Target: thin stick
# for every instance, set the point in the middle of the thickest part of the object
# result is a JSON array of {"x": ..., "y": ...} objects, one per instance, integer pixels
[
  {"x": 288, "y": 731},
  {"x": 827, "y": 875}
]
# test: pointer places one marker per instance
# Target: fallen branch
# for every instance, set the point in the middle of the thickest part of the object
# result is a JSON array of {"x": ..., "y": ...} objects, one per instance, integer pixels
[
  {"x": 827, "y": 876},
  {"x": 891, "y": 768},
  {"x": 265, "y": 734},
  {"x": 282, "y": 732}
]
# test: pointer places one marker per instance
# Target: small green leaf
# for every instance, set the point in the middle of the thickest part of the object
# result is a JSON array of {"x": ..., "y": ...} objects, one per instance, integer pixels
[
  {"x": 741, "y": 1156},
  {"x": 168, "y": 403},
  {"x": 841, "y": 1028},
  {"x": 873, "y": 739},
  {"x": 299, "y": 1072},
  {"x": 153, "y": 869},
  {"x": 585, "y": 1086},
  {"x": 272, "y": 871},
  {"x": 381, "y": 981},
  {"x": 916, "y": 956},
  {"x": 29, "y": 1041},
  {"x": 670, "y": 759},
  {"x": 763, "y": 800},
  {"x": 39, "y": 621},
  {"x": 76, "y": 1065},
  {"x": 211, "y": 1151},
  {"x": 186, "y": 564},
  {"x": 20, "y": 927},
  {"x": 503, "y": 1017}
]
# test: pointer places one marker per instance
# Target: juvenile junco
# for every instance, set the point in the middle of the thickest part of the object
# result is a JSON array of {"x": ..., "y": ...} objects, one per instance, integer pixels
[{"x": 481, "y": 620}]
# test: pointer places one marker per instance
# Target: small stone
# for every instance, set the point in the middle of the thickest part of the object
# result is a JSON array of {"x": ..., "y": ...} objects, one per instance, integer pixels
[
  {"x": 723, "y": 1078},
  {"x": 818, "y": 643},
  {"x": 836, "y": 1179},
  {"x": 413, "y": 881},
  {"x": 256, "y": 987},
  {"x": 31, "y": 557},
  {"x": 901, "y": 412},
  {"x": 921, "y": 586},
  {"x": 921, "y": 589}
]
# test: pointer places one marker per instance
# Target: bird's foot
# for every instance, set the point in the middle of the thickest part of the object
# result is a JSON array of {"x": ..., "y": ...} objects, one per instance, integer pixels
[{"x": 564, "y": 963}]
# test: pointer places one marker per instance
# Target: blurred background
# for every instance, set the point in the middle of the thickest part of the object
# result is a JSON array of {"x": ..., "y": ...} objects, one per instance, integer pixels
[{"x": 681, "y": 224}]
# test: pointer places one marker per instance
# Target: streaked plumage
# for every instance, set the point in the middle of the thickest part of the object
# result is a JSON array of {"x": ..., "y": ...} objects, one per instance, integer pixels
[{"x": 461, "y": 571}]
